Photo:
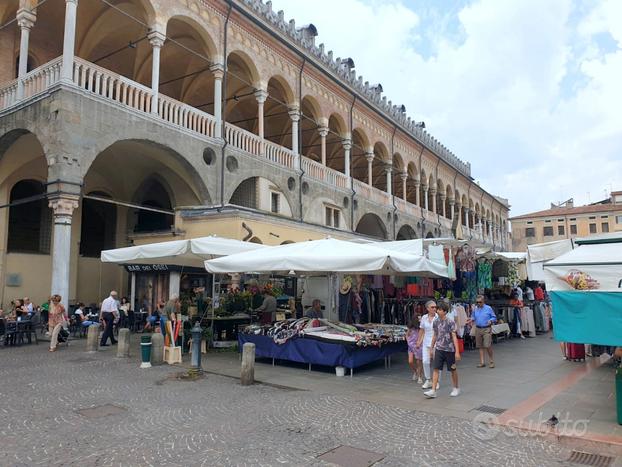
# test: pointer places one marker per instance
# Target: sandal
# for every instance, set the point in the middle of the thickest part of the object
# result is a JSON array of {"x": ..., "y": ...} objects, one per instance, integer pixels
[
  {"x": 52, "y": 350},
  {"x": 492, "y": 365},
  {"x": 481, "y": 365}
]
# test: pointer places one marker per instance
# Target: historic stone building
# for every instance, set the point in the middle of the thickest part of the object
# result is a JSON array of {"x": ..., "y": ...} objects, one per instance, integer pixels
[{"x": 128, "y": 121}]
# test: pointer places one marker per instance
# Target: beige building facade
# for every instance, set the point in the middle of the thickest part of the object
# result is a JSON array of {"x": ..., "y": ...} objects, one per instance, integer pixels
[
  {"x": 135, "y": 121},
  {"x": 567, "y": 221}
]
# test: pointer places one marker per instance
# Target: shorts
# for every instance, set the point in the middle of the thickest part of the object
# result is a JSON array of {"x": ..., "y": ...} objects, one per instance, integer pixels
[
  {"x": 444, "y": 357},
  {"x": 483, "y": 337}
]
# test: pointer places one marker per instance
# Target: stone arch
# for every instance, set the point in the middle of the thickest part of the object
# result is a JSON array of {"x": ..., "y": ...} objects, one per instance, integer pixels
[
  {"x": 440, "y": 197},
  {"x": 310, "y": 121},
  {"x": 277, "y": 123},
  {"x": 360, "y": 147},
  {"x": 243, "y": 81},
  {"x": 370, "y": 224},
  {"x": 211, "y": 50},
  {"x": 379, "y": 164},
  {"x": 411, "y": 183},
  {"x": 429, "y": 235},
  {"x": 153, "y": 192},
  {"x": 449, "y": 197},
  {"x": 29, "y": 223},
  {"x": 98, "y": 224},
  {"x": 406, "y": 232},
  {"x": 256, "y": 240},
  {"x": 252, "y": 191},
  {"x": 337, "y": 132}
]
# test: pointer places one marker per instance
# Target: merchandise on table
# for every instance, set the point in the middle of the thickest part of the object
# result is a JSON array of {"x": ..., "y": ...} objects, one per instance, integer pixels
[{"x": 360, "y": 335}]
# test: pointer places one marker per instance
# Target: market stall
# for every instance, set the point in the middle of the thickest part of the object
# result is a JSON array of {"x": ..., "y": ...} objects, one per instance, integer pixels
[{"x": 585, "y": 288}]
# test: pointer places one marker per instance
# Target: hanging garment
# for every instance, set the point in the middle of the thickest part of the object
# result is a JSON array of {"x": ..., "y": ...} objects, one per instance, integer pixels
[
  {"x": 451, "y": 266},
  {"x": 516, "y": 322},
  {"x": 436, "y": 254}
]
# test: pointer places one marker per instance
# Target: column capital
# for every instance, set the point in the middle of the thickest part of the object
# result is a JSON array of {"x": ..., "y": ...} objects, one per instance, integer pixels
[
  {"x": 433, "y": 190},
  {"x": 443, "y": 196},
  {"x": 404, "y": 176},
  {"x": 294, "y": 114},
  {"x": 26, "y": 18},
  {"x": 388, "y": 168},
  {"x": 261, "y": 96},
  {"x": 63, "y": 207},
  {"x": 452, "y": 201},
  {"x": 218, "y": 70},
  {"x": 347, "y": 144},
  {"x": 323, "y": 131},
  {"x": 156, "y": 38},
  {"x": 75, "y": 2},
  {"x": 369, "y": 156},
  {"x": 417, "y": 182}
]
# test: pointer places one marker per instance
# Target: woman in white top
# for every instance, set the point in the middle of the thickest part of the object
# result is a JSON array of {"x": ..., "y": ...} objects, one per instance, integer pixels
[{"x": 425, "y": 339}]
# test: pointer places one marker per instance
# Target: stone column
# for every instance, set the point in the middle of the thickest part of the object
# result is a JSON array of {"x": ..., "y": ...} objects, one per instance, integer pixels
[
  {"x": 347, "y": 147},
  {"x": 261, "y": 97},
  {"x": 156, "y": 39},
  {"x": 417, "y": 192},
  {"x": 433, "y": 196},
  {"x": 388, "y": 168},
  {"x": 370, "y": 168},
  {"x": 466, "y": 218},
  {"x": 443, "y": 208},
  {"x": 26, "y": 20},
  {"x": 458, "y": 212},
  {"x": 174, "y": 281},
  {"x": 323, "y": 131},
  {"x": 294, "y": 114},
  {"x": 404, "y": 177},
  {"x": 425, "y": 197},
  {"x": 452, "y": 204},
  {"x": 218, "y": 70},
  {"x": 69, "y": 40},
  {"x": 63, "y": 207}
]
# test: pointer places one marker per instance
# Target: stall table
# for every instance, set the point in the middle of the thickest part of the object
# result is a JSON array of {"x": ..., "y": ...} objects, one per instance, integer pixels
[
  {"x": 318, "y": 352},
  {"x": 225, "y": 331}
]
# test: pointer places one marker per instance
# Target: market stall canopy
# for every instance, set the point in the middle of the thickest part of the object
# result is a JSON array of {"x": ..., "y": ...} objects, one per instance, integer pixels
[
  {"x": 590, "y": 266},
  {"x": 188, "y": 253},
  {"x": 538, "y": 253},
  {"x": 511, "y": 256},
  {"x": 326, "y": 256},
  {"x": 416, "y": 246}
]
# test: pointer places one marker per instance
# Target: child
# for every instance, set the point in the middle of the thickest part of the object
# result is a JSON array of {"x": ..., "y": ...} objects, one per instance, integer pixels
[{"x": 414, "y": 350}]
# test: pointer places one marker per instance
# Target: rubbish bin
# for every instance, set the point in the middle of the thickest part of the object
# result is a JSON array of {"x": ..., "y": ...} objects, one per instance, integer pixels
[{"x": 145, "y": 348}]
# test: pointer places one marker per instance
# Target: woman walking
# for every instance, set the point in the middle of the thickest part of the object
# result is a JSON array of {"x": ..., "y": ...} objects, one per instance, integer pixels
[
  {"x": 56, "y": 320},
  {"x": 425, "y": 340}
]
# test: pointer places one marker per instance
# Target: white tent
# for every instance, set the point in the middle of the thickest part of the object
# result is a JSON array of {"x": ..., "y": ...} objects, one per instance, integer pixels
[
  {"x": 597, "y": 265},
  {"x": 328, "y": 256},
  {"x": 416, "y": 246},
  {"x": 510, "y": 256},
  {"x": 539, "y": 253},
  {"x": 188, "y": 253}
]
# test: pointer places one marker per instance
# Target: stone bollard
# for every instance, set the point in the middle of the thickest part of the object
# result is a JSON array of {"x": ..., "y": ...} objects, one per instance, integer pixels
[
  {"x": 248, "y": 364},
  {"x": 157, "y": 348},
  {"x": 92, "y": 338},
  {"x": 123, "y": 345}
]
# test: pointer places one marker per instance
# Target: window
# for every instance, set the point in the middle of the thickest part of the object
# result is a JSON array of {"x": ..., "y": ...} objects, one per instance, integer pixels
[
  {"x": 605, "y": 227},
  {"x": 530, "y": 232},
  {"x": 592, "y": 228},
  {"x": 604, "y": 217},
  {"x": 30, "y": 223},
  {"x": 560, "y": 220},
  {"x": 618, "y": 219},
  {"x": 529, "y": 222},
  {"x": 561, "y": 230},
  {"x": 573, "y": 219},
  {"x": 548, "y": 231},
  {"x": 274, "y": 202},
  {"x": 592, "y": 217},
  {"x": 332, "y": 217},
  {"x": 548, "y": 221},
  {"x": 573, "y": 229}
]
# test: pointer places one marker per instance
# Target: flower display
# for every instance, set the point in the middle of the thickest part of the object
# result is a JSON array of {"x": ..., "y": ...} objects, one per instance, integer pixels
[{"x": 579, "y": 280}]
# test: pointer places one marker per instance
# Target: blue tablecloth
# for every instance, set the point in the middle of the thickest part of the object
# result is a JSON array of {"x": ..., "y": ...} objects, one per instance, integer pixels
[{"x": 317, "y": 352}]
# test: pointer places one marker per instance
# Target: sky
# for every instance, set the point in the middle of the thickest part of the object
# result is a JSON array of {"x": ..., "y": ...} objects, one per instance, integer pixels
[{"x": 528, "y": 91}]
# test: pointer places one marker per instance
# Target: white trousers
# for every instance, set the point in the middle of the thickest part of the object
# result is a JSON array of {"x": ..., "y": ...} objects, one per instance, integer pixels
[
  {"x": 427, "y": 364},
  {"x": 54, "y": 340}
]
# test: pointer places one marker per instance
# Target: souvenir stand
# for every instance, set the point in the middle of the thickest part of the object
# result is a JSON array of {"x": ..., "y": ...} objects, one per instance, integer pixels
[{"x": 328, "y": 342}]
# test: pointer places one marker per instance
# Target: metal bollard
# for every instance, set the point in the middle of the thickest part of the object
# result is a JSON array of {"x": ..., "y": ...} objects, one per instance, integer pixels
[
  {"x": 157, "y": 348},
  {"x": 195, "y": 358},
  {"x": 248, "y": 364},
  {"x": 145, "y": 350},
  {"x": 123, "y": 343},
  {"x": 92, "y": 338}
]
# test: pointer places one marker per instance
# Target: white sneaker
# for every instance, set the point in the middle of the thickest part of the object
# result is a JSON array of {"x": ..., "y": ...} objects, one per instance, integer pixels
[
  {"x": 414, "y": 377},
  {"x": 431, "y": 394},
  {"x": 455, "y": 392},
  {"x": 522, "y": 337},
  {"x": 438, "y": 386},
  {"x": 427, "y": 384},
  {"x": 419, "y": 381}
]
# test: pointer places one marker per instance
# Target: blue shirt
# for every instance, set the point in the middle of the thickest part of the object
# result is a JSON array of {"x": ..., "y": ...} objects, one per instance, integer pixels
[{"x": 483, "y": 314}]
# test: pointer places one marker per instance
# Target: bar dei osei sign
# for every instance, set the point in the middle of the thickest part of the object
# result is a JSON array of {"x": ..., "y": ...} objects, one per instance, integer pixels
[{"x": 148, "y": 268}]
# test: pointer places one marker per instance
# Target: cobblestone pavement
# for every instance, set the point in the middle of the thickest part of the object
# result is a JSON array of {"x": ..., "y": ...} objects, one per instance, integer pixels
[{"x": 214, "y": 421}]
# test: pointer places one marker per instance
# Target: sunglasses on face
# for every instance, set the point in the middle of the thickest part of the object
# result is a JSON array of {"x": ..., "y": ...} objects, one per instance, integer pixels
[{"x": 480, "y": 303}]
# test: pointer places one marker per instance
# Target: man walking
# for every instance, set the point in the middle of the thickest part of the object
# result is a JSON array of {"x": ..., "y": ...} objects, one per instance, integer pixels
[
  {"x": 483, "y": 318},
  {"x": 445, "y": 348},
  {"x": 107, "y": 314}
]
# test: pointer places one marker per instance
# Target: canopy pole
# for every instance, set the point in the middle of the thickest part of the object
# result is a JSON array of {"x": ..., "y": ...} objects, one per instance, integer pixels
[{"x": 133, "y": 291}]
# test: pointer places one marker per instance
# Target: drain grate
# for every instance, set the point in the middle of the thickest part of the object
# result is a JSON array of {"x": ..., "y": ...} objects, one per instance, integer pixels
[
  {"x": 490, "y": 409},
  {"x": 101, "y": 411},
  {"x": 586, "y": 458},
  {"x": 347, "y": 456}
]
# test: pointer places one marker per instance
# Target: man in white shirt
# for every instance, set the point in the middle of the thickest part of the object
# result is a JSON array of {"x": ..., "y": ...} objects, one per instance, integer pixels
[
  {"x": 519, "y": 293},
  {"x": 28, "y": 305},
  {"x": 107, "y": 314}
]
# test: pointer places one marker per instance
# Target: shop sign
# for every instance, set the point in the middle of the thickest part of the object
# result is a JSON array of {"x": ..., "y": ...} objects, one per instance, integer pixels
[{"x": 147, "y": 267}]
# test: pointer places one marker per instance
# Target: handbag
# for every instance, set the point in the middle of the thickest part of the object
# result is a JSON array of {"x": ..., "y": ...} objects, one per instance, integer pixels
[{"x": 460, "y": 345}]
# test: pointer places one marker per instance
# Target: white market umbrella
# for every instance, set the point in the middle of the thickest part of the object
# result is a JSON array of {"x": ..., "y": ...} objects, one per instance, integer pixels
[{"x": 328, "y": 256}]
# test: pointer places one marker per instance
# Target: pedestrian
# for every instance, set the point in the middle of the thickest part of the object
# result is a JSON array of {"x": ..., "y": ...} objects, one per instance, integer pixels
[
  {"x": 171, "y": 307},
  {"x": 107, "y": 315},
  {"x": 56, "y": 320},
  {"x": 425, "y": 341},
  {"x": 267, "y": 308},
  {"x": 124, "y": 310},
  {"x": 414, "y": 350},
  {"x": 483, "y": 318},
  {"x": 445, "y": 350}
]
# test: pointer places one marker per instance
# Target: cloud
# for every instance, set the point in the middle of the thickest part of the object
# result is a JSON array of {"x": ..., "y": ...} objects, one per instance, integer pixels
[{"x": 532, "y": 101}]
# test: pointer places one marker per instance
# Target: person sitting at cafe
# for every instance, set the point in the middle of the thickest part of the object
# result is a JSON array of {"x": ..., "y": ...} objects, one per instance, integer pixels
[
  {"x": 315, "y": 312},
  {"x": 19, "y": 310},
  {"x": 267, "y": 308},
  {"x": 84, "y": 320},
  {"x": 28, "y": 306}
]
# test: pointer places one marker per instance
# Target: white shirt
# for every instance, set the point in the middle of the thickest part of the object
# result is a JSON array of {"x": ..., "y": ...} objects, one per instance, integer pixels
[
  {"x": 519, "y": 293},
  {"x": 529, "y": 293},
  {"x": 428, "y": 329},
  {"x": 109, "y": 305}
]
